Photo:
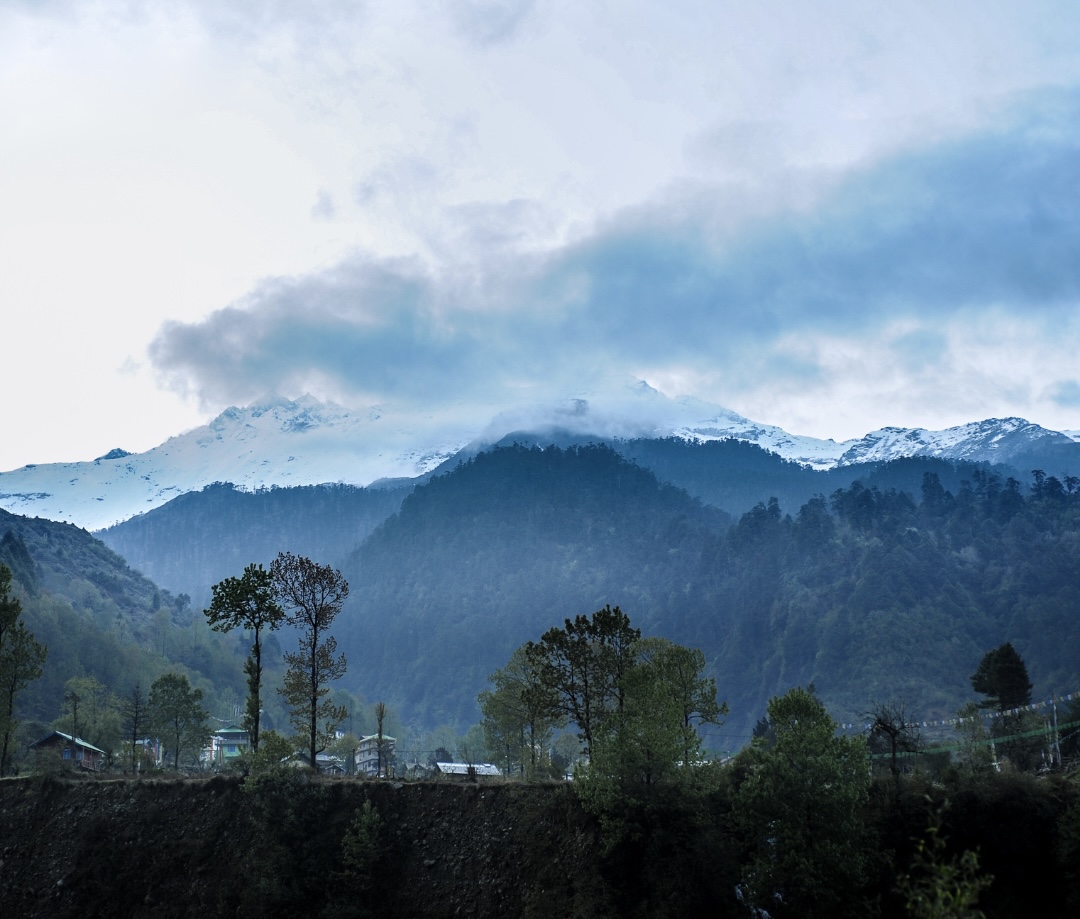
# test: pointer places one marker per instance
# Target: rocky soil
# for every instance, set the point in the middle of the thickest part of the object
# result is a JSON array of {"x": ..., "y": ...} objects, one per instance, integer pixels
[{"x": 206, "y": 847}]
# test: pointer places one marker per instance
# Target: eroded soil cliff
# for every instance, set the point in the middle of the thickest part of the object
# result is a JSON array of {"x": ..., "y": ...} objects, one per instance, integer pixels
[{"x": 207, "y": 847}]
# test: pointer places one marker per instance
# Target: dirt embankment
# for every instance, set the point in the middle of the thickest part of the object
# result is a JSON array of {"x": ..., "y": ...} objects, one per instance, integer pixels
[{"x": 209, "y": 848}]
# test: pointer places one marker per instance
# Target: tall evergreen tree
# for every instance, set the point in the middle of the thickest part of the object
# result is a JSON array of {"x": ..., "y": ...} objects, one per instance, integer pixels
[
  {"x": 248, "y": 602},
  {"x": 1003, "y": 679},
  {"x": 800, "y": 808},
  {"x": 176, "y": 712},
  {"x": 312, "y": 596},
  {"x": 21, "y": 660},
  {"x": 134, "y": 710}
]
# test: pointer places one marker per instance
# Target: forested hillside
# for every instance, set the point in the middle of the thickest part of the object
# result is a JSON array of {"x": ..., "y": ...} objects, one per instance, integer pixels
[
  {"x": 199, "y": 538},
  {"x": 734, "y": 475},
  {"x": 877, "y": 594},
  {"x": 506, "y": 545},
  {"x": 871, "y": 593},
  {"x": 885, "y": 586},
  {"x": 101, "y": 620}
]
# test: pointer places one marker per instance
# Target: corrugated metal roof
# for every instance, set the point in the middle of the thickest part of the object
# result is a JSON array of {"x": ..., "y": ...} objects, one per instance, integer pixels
[
  {"x": 463, "y": 768},
  {"x": 77, "y": 740}
]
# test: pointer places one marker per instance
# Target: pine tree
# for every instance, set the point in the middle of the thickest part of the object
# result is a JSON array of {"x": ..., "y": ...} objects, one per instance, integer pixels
[
  {"x": 1003, "y": 678},
  {"x": 248, "y": 602},
  {"x": 21, "y": 660}
]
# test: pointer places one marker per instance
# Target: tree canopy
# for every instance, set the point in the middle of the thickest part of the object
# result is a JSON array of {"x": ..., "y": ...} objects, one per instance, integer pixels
[
  {"x": 311, "y": 595},
  {"x": 177, "y": 714},
  {"x": 800, "y": 805},
  {"x": 22, "y": 658},
  {"x": 584, "y": 664},
  {"x": 248, "y": 602},
  {"x": 1003, "y": 679}
]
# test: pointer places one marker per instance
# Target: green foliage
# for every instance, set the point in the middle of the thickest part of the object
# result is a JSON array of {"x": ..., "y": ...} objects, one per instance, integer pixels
[
  {"x": 583, "y": 666},
  {"x": 271, "y": 757},
  {"x": 940, "y": 887},
  {"x": 635, "y": 703},
  {"x": 519, "y": 717},
  {"x": 652, "y": 742},
  {"x": 679, "y": 673},
  {"x": 362, "y": 849},
  {"x": 800, "y": 807},
  {"x": 176, "y": 713},
  {"x": 22, "y": 658},
  {"x": 248, "y": 602},
  {"x": 1003, "y": 679},
  {"x": 647, "y": 742}
]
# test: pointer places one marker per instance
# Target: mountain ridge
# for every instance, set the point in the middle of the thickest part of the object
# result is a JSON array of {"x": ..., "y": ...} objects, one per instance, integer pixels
[{"x": 277, "y": 441}]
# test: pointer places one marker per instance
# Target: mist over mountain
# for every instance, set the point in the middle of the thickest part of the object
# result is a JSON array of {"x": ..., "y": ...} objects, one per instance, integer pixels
[
  {"x": 275, "y": 442},
  {"x": 871, "y": 581},
  {"x": 695, "y": 522},
  {"x": 204, "y": 536}
]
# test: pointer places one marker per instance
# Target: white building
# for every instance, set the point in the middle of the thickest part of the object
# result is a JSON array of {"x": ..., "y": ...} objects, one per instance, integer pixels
[{"x": 368, "y": 759}]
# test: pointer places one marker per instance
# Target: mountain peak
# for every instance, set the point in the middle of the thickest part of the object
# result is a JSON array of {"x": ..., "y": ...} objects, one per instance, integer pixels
[
  {"x": 115, "y": 453},
  {"x": 277, "y": 441}
]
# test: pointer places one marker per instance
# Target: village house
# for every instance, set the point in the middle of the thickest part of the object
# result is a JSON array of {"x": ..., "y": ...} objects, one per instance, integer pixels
[
  {"x": 73, "y": 751},
  {"x": 227, "y": 743},
  {"x": 367, "y": 756}
]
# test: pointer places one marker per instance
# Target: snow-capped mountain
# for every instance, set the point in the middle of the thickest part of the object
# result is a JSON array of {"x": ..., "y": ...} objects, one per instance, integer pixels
[
  {"x": 282, "y": 442},
  {"x": 276, "y": 441},
  {"x": 635, "y": 409},
  {"x": 996, "y": 440}
]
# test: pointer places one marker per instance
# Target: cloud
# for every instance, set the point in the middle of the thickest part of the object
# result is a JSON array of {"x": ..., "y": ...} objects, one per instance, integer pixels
[
  {"x": 1065, "y": 393},
  {"x": 488, "y": 22},
  {"x": 323, "y": 208},
  {"x": 986, "y": 225}
]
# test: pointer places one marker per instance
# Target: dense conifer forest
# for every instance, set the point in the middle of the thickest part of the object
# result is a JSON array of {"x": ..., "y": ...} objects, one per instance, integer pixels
[
  {"x": 883, "y": 583},
  {"x": 870, "y": 592}
]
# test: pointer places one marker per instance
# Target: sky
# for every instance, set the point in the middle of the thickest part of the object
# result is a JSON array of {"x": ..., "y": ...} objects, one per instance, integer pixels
[{"x": 830, "y": 217}]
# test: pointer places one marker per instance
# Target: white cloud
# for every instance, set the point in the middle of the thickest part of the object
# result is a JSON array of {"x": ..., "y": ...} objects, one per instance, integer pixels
[
  {"x": 900, "y": 277},
  {"x": 588, "y": 175}
]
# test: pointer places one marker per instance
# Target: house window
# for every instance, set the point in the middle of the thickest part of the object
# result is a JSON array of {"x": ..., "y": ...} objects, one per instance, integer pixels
[{"x": 67, "y": 753}]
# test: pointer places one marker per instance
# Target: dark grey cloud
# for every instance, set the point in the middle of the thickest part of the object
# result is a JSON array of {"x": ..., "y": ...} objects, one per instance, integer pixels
[{"x": 988, "y": 223}]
